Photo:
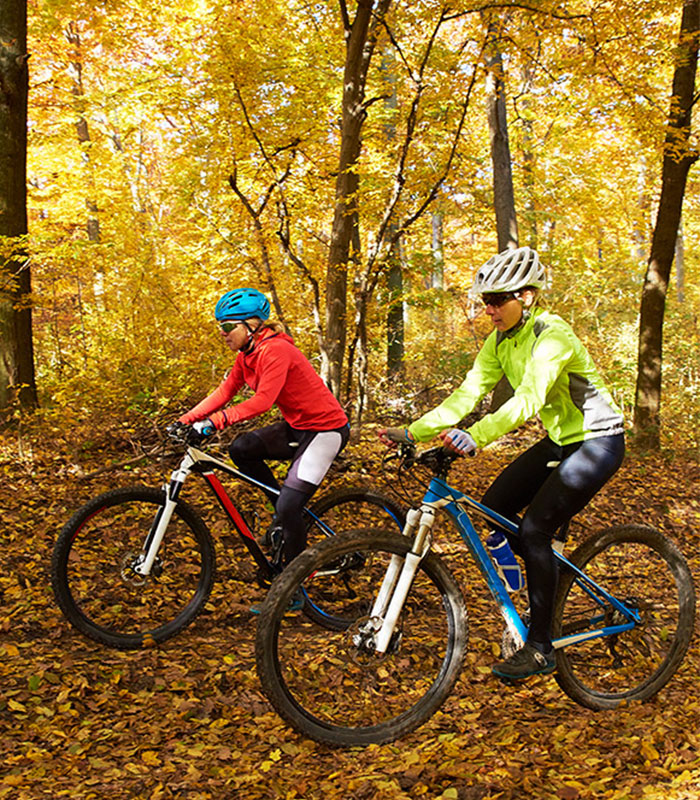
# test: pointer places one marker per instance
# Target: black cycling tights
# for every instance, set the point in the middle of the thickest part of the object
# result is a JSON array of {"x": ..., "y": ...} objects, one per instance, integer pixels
[
  {"x": 248, "y": 452},
  {"x": 553, "y": 492}
]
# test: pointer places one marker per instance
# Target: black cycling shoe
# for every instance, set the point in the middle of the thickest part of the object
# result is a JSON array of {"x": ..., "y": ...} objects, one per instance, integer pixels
[
  {"x": 272, "y": 535},
  {"x": 525, "y": 662}
]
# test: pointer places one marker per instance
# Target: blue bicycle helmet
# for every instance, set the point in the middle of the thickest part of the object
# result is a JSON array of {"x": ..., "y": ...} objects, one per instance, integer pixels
[{"x": 242, "y": 304}]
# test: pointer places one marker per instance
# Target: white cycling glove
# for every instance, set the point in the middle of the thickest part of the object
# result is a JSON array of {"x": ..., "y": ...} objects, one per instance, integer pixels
[
  {"x": 460, "y": 441},
  {"x": 205, "y": 427}
]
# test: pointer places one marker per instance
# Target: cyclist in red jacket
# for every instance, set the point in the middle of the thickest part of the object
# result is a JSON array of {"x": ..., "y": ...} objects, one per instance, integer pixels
[{"x": 315, "y": 427}]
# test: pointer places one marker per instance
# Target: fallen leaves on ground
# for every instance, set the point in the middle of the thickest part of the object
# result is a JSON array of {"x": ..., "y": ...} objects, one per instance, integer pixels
[{"x": 188, "y": 719}]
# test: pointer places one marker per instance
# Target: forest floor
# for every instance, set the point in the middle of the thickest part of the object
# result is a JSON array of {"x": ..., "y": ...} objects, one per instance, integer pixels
[{"x": 188, "y": 719}]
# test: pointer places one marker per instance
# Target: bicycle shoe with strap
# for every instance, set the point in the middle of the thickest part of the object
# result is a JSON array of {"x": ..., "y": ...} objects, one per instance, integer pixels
[
  {"x": 271, "y": 535},
  {"x": 525, "y": 662}
]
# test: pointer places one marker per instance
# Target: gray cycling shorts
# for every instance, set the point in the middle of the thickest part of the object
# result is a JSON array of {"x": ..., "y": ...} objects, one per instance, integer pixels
[{"x": 311, "y": 452}]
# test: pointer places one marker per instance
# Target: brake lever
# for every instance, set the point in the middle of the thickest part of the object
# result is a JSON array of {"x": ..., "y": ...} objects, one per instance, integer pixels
[
  {"x": 177, "y": 433},
  {"x": 407, "y": 454}
]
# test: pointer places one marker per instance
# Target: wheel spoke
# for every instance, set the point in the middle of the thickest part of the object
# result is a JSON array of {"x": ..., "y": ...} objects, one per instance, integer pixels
[
  {"x": 94, "y": 577},
  {"x": 644, "y": 570},
  {"x": 332, "y": 598}
]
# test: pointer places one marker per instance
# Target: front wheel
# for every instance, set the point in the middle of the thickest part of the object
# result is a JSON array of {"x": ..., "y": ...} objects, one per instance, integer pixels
[
  {"x": 646, "y": 571},
  {"x": 331, "y": 685},
  {"x": 93, "y": 577}
]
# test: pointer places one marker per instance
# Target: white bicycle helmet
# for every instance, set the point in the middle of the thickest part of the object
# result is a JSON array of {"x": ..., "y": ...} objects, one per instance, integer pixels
[{"x": 509, "y": 271}]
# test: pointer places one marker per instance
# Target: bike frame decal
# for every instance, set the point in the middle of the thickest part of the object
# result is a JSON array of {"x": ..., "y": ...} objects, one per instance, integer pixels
[
  {"x": 241, "y": 525},
  {"x": 227, "y": 505},
  {"x": 441, "y": 495},
  {"x": 205, "y": 464}
]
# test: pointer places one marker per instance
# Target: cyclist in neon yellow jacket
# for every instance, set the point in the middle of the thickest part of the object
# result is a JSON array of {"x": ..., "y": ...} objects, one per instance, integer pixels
[{"x": 553, "y": 376}]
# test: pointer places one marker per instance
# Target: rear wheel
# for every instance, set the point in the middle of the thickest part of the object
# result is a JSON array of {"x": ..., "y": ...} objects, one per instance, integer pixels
[
  {"x": 352, "y": 508},
  {"x": 646, "y": 571},
  {"x": 93, "y": 577},
  {"x": 331, "y": 685},
  {"x": 335, "y": 512}
]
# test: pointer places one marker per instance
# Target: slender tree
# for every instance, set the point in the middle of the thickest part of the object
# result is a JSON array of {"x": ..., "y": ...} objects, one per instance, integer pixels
[
  {"x": 680, "y": 265},
  {"x": 679, "y": 156},
  {"x": 82, "y": 129},
  {"x": 17, "y": 380},
  {"x": 394, "y": 317},
  {"x": 360, "y": 39},
  {"x": 503, "y": 192},
  {"x": 394, "y": 323},
  {"x": 503, "y": 195}
]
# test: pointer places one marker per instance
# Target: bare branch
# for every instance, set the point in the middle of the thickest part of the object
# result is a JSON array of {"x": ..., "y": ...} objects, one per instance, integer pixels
[
  {"x": 268, "y": 158},
  {"x": 285, "y": 239},
  {"x": 260, "y": 234},
  {"x": 344, "y": 16},
  {"x": 399, "y": 181},
  {"x": 374, "y": 100},
  {"x": 400, "y": 177},
  {"x": 509, "y": 6},
  {"x": 397, "y": 47},
  {"x": 233, "y": 183}
]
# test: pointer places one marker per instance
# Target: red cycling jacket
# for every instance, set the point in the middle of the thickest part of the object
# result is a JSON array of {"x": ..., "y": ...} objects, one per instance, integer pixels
[{"x": 279, "y": 374}]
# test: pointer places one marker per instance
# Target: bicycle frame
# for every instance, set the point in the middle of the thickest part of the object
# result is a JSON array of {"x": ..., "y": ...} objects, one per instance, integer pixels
[
  {"x": 204, "y": 464},
  {"x": 399, "y": 575}
]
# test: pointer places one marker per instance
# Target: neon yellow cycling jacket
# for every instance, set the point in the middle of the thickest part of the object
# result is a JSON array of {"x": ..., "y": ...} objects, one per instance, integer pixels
[{"x": 552, "y": 375}]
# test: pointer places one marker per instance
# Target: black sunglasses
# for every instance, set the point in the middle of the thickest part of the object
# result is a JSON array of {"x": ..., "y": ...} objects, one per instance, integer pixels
[
  {"x": 496, "y": 299},
  {"x": 227, "y": 327}
]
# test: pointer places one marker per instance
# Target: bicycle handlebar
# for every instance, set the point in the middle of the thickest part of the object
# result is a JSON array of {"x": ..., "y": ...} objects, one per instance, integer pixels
[
  {"x": 437, "y": 459},
  {"x": 182, "y": 434}
]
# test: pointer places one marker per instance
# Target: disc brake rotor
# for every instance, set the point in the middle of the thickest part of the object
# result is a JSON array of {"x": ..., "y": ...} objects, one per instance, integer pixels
[{"x": 128, "y": 571}]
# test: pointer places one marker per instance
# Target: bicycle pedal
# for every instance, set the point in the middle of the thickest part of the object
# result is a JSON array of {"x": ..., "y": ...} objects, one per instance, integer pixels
[{"x": 272, "y": 537}]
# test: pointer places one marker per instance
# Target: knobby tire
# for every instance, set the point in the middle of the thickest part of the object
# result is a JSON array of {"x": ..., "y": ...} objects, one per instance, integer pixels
[
  {"x": 106, "y": 601},
  {"x": 335, "y": 692},
  {"x": 644, "y": 569}
]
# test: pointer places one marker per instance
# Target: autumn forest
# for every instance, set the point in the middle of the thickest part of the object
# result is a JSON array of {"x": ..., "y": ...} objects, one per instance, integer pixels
[
  {"x": 357, "y": 162},
  {"x": 178, "y": 152}
]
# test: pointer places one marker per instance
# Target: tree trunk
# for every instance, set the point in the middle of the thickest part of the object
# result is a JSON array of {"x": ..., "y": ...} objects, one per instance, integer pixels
[
  {"x": 437, "y": 273},
  {"x": 680, "y": 265},
  {"x": 528, "y": 154},
  {"x": 394, "y": 317},
  {"x": 17, "y": 380},
  {"x": 678, "y": 158},
  {"x": 640, "y": 235},
  {"x": 394, "y": 320},
  {"x": 360, "y": 38},
  {"x": 503, "y": 196},
  {"x": 503, "y": 193},
  {"x": 83, "y": 131}
]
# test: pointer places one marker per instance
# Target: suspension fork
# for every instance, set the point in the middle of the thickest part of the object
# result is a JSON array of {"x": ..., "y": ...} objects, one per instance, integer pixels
[
  {"x": 155, "y": 536},
  {"x": 399, "y": 576}
]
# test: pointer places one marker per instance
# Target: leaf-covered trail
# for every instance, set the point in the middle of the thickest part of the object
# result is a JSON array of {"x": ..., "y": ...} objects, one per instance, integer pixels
[{"x": 188, "y": 719}]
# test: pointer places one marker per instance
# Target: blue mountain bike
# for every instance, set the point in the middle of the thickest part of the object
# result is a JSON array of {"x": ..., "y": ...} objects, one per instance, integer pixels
[{"x": 623, "y": 619}]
